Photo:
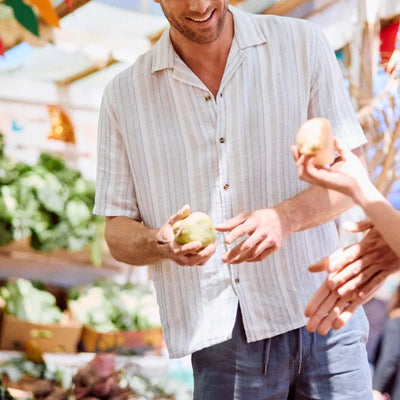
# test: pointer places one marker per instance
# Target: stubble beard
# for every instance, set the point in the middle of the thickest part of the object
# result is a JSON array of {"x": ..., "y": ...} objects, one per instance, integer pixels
[{"x": 198, "y": 36}]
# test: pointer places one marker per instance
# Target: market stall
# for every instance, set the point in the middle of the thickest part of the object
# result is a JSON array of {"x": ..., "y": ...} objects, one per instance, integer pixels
[{"x": 53, "y": 71}]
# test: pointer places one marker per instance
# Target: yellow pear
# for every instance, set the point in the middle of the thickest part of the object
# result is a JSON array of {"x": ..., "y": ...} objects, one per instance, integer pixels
[{"x": 196, "y": 226}]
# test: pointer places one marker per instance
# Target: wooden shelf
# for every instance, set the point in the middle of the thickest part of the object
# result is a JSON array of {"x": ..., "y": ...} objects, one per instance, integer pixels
[{"x": 61, "y": 267}]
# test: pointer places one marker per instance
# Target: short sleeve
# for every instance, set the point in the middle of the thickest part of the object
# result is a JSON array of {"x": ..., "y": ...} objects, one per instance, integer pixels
[
  {"x": 329, "y": 97},
  {"x": 115, "y": 191}
]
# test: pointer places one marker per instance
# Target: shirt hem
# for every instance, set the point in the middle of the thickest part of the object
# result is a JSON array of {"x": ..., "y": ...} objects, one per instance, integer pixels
[{"x": 211, "y": 342}]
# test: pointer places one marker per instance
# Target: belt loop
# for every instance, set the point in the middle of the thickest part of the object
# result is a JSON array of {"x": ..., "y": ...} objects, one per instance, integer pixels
[{"x": 266, "y": 354}]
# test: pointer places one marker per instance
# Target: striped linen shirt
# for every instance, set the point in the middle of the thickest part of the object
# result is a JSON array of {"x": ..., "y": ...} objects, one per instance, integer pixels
[{"x": 165, "y": 141}]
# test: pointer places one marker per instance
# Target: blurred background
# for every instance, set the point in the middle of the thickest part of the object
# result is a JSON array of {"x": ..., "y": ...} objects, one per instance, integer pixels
[{"x": 56, "y": 57}]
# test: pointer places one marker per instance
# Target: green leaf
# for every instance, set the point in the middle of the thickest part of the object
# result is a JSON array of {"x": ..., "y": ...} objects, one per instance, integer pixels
[
  {"x": 96, "y": 248},
  {"x": 51, "y": 163},
  {"x": 6, "y": 233},
  {"x": 29, "y": 302},
  {"x": 24, "y": 15}
]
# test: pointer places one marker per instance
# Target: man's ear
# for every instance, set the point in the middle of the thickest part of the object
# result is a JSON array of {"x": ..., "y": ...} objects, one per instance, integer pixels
[{"x": 156, "y": 1}]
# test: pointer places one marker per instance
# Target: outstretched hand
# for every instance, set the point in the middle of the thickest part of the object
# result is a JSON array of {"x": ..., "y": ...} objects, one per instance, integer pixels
[
  {"x": 355, "y": 273},
  {"x": 189, "y": 254},
  {"x": 345, "y": 176}
]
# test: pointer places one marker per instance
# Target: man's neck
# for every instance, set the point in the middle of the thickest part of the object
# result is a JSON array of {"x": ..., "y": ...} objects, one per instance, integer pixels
[{"x": 207, "y": 61}]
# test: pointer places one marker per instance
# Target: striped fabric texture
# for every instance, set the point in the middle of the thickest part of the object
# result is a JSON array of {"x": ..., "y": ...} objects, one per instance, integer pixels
[{"x": 165, "y": 141}]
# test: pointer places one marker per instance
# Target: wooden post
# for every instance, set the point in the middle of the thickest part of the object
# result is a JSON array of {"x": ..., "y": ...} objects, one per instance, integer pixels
[{"x": 63, "y": 9}]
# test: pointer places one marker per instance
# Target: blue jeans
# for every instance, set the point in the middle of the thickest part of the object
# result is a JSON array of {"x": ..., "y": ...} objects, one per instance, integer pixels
[{"x": 296, "y": 365}]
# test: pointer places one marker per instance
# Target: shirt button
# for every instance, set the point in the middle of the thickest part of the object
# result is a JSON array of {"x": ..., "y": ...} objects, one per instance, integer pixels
[
  {"x": 207, "y": 98},
  {"x": 237, "y": 280},
  {"x": 222, "y": 140},
  {"x": 226, "y": 186},
  {"x": 220, "y": 95}
]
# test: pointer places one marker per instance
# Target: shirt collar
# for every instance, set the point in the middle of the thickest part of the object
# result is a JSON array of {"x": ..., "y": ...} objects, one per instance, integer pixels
[{"x": 247, "y": 34}]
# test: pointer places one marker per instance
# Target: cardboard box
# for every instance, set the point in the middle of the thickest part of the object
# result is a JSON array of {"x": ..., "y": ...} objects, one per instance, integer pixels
[
  {"x": 121, "y": 342},
  {"x": 60, "y": 337}
]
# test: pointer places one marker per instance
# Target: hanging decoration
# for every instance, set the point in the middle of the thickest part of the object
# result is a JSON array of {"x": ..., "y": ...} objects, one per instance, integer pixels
[
  {"x": 13, "y": 33},
  {"x": 25, "y": 15},
  {"x": 61, "y": 126},
  {"x": 30, "y": 21},
  {"x": 47, "y": 11},
  {"x": 388, "y": 39},
  {"x": 69, "y": 2}
]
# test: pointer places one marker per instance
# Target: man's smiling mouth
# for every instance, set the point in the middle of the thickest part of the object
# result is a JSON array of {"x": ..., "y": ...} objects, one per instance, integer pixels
[{"x": 205, "y": 19}]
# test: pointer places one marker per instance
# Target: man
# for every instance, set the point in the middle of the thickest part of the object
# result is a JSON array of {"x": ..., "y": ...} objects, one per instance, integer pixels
[{"x": 206, "y": 118}]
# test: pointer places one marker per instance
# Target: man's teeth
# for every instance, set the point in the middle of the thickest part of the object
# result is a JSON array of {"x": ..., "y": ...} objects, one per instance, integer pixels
[{"x": 201, "y": 20}]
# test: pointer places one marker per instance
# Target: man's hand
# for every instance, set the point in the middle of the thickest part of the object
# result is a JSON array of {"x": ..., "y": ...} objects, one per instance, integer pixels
[
  {"x": 265, "y": 232},
  {"x": 189, "y": 254},
  {"x": 355, "y": 273}
]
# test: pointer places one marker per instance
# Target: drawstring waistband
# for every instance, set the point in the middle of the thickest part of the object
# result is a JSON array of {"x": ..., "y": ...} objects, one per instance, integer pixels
[{"x": 268, "y": 349}]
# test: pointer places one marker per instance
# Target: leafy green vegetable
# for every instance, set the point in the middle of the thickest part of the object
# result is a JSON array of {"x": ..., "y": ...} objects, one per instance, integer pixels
[
  {"x": 32, "y": 303},
  {"x": 17, "y": 366},
  {"x": 5, "y": 394},
  {"x": 50, "y": 203},
  {"x": 107, "y": 306}
]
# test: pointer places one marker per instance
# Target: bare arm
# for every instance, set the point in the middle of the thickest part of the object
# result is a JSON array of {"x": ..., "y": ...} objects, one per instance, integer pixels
[
  {"x": 314, "y": 206},
  {"x": 132, "y": 242},
  {"x": 267, "y": 229},
  {"x": 384, "y": 216},
  {"x": 351, "y": 178},
  {"x": 358, "y": 271}
]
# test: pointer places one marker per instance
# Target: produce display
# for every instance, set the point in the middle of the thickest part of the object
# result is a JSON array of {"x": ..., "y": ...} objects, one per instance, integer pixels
[
  {"x": 196, "y": 226},
  {"x": 106, "y": 305},
  {"x": 314, "y": 138},
  {"x": 30, "y": 302},
  {"x": 103, "y": 377},
  {"x": 49, "y": 203},
  {"x": 5, "y": 393}
]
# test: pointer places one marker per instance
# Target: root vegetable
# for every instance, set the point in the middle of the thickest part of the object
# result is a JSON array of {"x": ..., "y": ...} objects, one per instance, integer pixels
[
  {"x": 196, "y": 226},
  {"x": 314, "y": 138}
]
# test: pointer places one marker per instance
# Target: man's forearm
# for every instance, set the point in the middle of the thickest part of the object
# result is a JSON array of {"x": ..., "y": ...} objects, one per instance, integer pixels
[
  {"x": 312, "y": 207},
  {"x": 131, "y": 242}
]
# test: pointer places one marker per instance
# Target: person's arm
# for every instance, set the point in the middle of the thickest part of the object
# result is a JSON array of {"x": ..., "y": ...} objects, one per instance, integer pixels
[
  {"x": 267, "y": 229},
  {"x": 351, "y": 178},
  {"x": 132, "y": 242},
  {"x": 384, "y": 216}
]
